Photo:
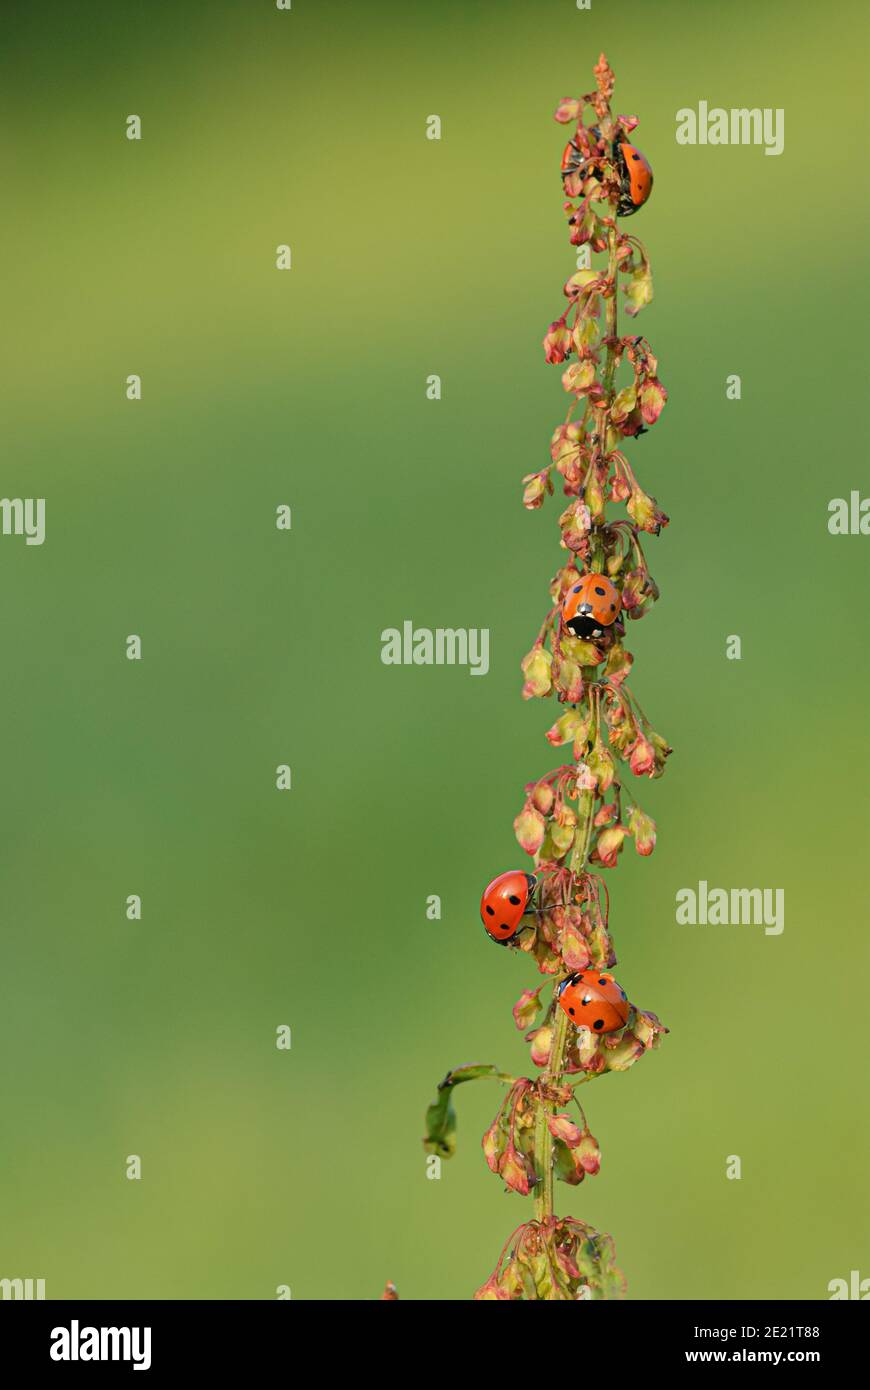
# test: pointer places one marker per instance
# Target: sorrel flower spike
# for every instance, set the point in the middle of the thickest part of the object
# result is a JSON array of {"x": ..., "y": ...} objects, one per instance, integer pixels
[{"x": 575, "y": 819}]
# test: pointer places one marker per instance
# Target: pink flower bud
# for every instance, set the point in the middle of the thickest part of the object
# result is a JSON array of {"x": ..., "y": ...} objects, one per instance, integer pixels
[
  {"x": 600, "y": 761},
  {"x": 580, "y": 284},
  {"x": 645, "y": 512},
  {"x": 543, "y": 797},
  {"x": 579, "y": 376},
  {"x": 537, "y": 485},
  {"x": 633, "y": 587},
  {"x": 558, "y": 341},
  {"x": 536, "y": 666},
  {"x": 619, "y": 663},
  {"x": 638, "y": 291},
  {"x": 527, "y": 1008},
  {"x": 663, "y": 751},
  {"x": 608, "y": 845},
  {"x": 517, "y": 1171},
  {"x": 566, "y": 728},
  {"x": 562, "y": 1127},
  {"x": 588, "y": 1154},
  {"x": 541, "y": 1041},
  {"x": 575, "y": 523},
  {"x": 490, "y": 1292},
  {"x": 567, "y": 111},
  {"x": 623, "y": 404},
  {"x": 573, "y": 948},
  {"x": 568, "y": 680},
  {"x": 643, "y": 828},
  {"x": 492, "y": 1144},
  {"x": 652, "y": 400},
  {"x": 530, "y": 828},
  {"x": 620, "y": 488},
  {"x": 642, "y": 759}
]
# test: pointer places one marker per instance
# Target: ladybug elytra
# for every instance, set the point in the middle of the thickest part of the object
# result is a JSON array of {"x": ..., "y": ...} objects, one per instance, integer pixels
[
  {"x": 635, "y": 176},
  {"x": 503, "y": 903},
  {"x": 591, "y": 606},
  {"x": 594, "y": 1000},
  {"x": 572, "y": 158}
]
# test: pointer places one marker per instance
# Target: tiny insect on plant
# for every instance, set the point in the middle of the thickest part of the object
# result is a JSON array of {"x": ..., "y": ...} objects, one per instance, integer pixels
[{"x": 576, "y": 818}]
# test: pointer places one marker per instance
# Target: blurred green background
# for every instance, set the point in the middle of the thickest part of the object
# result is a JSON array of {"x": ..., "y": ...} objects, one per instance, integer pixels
[{"x": 261, "y": 647}]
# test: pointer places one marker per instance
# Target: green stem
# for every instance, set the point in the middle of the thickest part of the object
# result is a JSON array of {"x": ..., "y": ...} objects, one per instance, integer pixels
[
  {"x": 610, "y": 361},
  {"x": 610, "y": 364},
  {"x": 583, "y": 833},
  {"x": 556, "y": 1060},
  {"x": 543, "y": 1138}
]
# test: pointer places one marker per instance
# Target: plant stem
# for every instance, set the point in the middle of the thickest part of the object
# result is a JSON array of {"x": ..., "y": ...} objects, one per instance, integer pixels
[
  {"x": 556, "y": 1061},
  {"x": 543, "y": 1138},
  {"x": 610, "y": 364},
  {"x": 543, "y": 1159}
]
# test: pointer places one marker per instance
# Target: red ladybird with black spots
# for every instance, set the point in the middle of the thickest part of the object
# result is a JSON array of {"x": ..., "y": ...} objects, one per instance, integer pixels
[
  {"x": 635, "y": 178},
  {"x": 590, "y": 606},
  {"x": 593, "y": 999},
  {"x": 572, "y": 158},
  {"x": 504, "y": 902}
]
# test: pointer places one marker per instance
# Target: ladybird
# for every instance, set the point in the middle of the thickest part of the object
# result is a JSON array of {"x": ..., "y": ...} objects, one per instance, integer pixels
[
  {"x": 591, "y": 606},
  {"x": 594, "y": 1000},
  {"x": 635, "y": 178},
  {"x": 503, "y": 903},
  {"x": 572, "y": 158}
]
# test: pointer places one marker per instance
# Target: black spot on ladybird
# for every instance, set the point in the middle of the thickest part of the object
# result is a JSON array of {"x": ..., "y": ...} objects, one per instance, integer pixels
[
  {"x": 602, "y": 981},
  {"x": 504, "y": 927},
  {"x": 597, "y": 590},
  {"x": 599, "y": 1023},
  {"x": 512, "y": 898},
  {"x": 571, "y": 1012},
  {"x": 490, "y": 910},
  {"x": 576, "y": 589}
]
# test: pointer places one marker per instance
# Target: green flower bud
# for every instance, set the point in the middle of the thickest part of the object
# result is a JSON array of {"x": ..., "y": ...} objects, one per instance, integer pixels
[
  {"x": 530, "y": 828},
  {"x": 536, "y": 667}
]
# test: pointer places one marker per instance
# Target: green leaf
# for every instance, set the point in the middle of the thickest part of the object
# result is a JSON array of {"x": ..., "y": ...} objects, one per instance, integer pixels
[
  {"x": 440, "y": 1136},
  {"x": 473, "y": 1072}
]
